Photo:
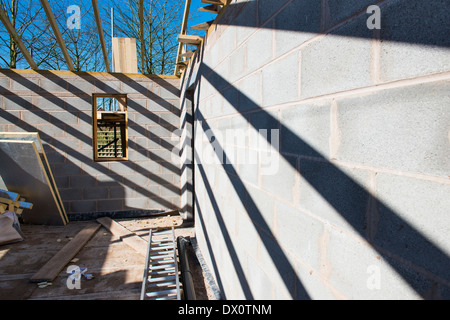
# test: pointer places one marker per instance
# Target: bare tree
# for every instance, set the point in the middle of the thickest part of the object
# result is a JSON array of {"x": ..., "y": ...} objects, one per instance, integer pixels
[
  {"x": 82, "y": 43},
  {"x": 162, "y": 22},
  {"x": 24, "y": 16}
]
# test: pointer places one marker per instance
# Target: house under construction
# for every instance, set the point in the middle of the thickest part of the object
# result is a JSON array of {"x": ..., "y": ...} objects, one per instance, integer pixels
[{"x": 305, "y": 145}]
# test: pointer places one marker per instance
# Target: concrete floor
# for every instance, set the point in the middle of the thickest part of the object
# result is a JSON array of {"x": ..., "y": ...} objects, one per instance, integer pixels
[{"x": 116, "y": 267}]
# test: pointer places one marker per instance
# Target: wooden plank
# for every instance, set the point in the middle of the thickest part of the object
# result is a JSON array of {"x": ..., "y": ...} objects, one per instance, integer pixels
[
  {"x": 6, "y": 201},
  {"x": 189, "y": 39},
  {"x": 34, "y": 136},
  {"x": 13, "y": 33},
  {"x": 130, "y": 238},
  {"x": 203, "y": 26},
  {"x": 57, "y": 32},
  {"x": 125, "y": 55},
  {"x": 213, "y": 8},
  {"x": 100, "y": 34},
  {"x": 23, "y": 172},
  {"x": 182, "y": 64},
  {"x": 57, "y": 263},
  {"x": 216, "y": 2},
  {"x": 131, "y": 55},
  {"x": 188, "y": 54}
]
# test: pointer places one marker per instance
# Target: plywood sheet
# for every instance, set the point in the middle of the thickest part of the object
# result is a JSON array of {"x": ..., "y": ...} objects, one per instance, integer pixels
[
  {"x": 125, "y": 55},
  {"x": 23, "y": 172},
  {"x": 34, "y": 136}
]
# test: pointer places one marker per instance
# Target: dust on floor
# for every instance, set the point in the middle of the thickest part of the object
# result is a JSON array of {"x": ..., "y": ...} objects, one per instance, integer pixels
[{"x": 116, "y": 268}]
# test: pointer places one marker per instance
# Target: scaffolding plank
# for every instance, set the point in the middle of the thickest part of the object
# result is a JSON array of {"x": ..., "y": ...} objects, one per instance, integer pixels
[{"x": 54, "y": 266}]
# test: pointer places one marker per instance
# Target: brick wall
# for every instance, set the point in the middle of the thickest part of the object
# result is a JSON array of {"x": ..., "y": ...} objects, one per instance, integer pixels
[
  {"x": 358, "y": 206},
  {"x": 58, "y": 105}
]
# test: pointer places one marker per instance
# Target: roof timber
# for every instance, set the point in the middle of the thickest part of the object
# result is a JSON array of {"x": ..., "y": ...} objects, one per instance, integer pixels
[
  {"x": 100, "y": 34},
  {"x": 213, "y": 8},
  {"x": 217, "y": 2},
  {"x": 203, "y": 26},
  {"x": 141, "y": 35},
  {"x": 183, "y": 32},
  {"x": 57, "y": 32},
  {"x": 189, "y": 39}
]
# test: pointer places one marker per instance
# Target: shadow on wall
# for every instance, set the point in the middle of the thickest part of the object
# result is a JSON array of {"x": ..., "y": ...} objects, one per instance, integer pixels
[
  {"x": 41, "y": 117},
  {"x": 345, "y": 195},
  {"x": 322, "y": 17},
  {"x": 399, "y": 240}
]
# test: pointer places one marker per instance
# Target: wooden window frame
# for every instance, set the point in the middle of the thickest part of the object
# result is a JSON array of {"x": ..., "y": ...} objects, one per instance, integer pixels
[{"x": 123, "y": 103}]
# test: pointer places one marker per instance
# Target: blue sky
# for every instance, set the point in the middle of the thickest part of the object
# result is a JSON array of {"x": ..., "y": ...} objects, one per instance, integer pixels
[
  {"x": 104, "y": 6},
  {"x": 203, "y": 16}
]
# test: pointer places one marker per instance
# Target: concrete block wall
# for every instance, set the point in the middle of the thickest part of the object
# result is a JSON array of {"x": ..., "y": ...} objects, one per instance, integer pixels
[
  {"x": 357, "y": 207},
  {"x": 58, "y": 105},
  {"x": 185, "y": 153}
]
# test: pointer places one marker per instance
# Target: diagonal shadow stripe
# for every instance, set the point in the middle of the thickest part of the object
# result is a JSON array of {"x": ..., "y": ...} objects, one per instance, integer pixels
[
  {"x": 279, "y": 259},
  {"x": 422, "y": 252}
]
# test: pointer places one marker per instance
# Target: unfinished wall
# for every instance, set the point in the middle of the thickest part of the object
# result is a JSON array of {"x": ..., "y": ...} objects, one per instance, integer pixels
[
  {"x": 357, "y": 207},
  {"x": 58, "y": 105}
]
